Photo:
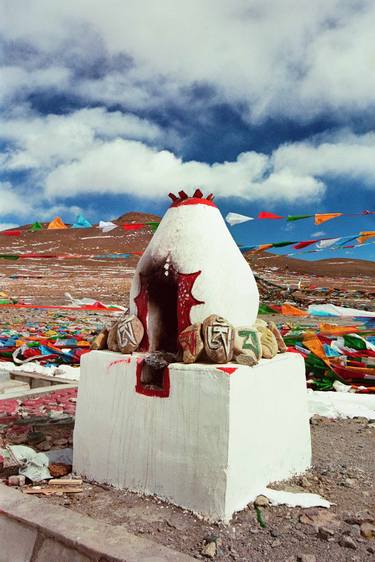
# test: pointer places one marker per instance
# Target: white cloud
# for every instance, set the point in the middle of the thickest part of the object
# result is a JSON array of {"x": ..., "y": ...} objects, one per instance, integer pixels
[
  {"x": 295, "y": 58},
  {"x": 47, "y": 141},
  {"x": 318, "y": 233},
  {"x": 7, "y": 225}
]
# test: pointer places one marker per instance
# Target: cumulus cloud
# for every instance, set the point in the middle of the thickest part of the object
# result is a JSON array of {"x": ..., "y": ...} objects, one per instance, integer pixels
[{"x": 294, "y": 58}]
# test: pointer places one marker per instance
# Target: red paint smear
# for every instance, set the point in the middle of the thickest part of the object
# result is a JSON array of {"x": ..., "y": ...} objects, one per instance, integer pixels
[
  {"x": 185, "y": 298},
  {"x": 118, "y": 362},
  {"x": 141, "y": 302},
  {"x": 193, "y": 201},
  {"x": 228, "y": 370},
  {"x": 160, "y": 393}
]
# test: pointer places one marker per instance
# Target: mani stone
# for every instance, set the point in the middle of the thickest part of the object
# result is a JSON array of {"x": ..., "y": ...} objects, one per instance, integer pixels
[
  {"x": 269, "y": 343},
  {"x": 129, "y": 333},
  {"x": 218, "y": 339},
  {"x": 191, "y": 343},
  {"x": 279, "y": 338},
  {"x": 247, "y": 345}
]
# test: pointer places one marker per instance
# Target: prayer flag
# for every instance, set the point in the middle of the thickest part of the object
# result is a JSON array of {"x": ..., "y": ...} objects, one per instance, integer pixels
[
  {"x": 106, "y": 226},
  {"x": 236, "y": 218},
  {"x": 263, "y": 247},
  {"x": 133, "y": 226},
  {"x": 35, "y": 227},
  {"x": 153, "y": 225},
  {"x": 56, "y": 223},
  {"x": 266, "y": 215},
  {"x": 322, "y": 244},
  {"x": 364, "y": 236},
  {"x": 12, "y": 232},
  {"x": 304, "y": 244},
  {"x": 298, "y": 217},
  {"x": 82, "y": 222},
  {"x": 324, "y": 217},
  {"x": 282, "y": 244}
]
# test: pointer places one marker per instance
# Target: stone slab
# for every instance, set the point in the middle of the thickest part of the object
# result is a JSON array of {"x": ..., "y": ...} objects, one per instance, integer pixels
[
  {"x": 16, "y": 540},
  {"x": 85, "y": 535}
]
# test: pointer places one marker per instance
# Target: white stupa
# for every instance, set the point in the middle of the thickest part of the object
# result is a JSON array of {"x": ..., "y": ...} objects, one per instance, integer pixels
[
  {"x": 191, "y": 268},
  {"x": 205, "y": 437}
]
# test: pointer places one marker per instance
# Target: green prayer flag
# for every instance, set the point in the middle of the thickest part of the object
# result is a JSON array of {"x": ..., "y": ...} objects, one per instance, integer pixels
[
  {"x": 35, "y": 227},
  {"x": 265, "y": 309},
  {"x": 8, "y": 257},
  {"x": 281, "y": 244},
  {"x": 354, "y": 343},
  {"x": 153, "y": 225},
  {"x": 298, "y": 217}
]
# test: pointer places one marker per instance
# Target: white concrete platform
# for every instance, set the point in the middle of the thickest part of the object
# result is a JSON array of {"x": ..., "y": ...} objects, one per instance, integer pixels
[{"x": 209, "y": 440}]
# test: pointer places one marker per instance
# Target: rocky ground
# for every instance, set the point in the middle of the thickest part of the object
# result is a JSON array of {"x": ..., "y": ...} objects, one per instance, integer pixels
[{"x": 343, "y": 472}]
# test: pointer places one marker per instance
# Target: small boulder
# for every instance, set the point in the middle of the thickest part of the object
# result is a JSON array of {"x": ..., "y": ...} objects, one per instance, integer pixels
[
  {"x": 100, "y": 341},
  {"x": 112, "y": 338},
  {"x": 191, "y": 343},
  {"x": 218, "y": 338},
  {"x": 269, "y": 343}
]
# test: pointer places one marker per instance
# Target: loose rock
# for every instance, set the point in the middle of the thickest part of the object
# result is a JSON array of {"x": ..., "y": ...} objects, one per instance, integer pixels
[
  {"x": 306, "y": 558},
  {"x": 191, "y": 342},
  {"x": 261, "y": 501},
  {"x": 269, "y": 343},
  {"x": 209, "y": 550},
  {"x": 112, "y": 338},
  {"x": 368, "y": 530},
  {"x": 218, "y": 338},
  {"x": 347, "y": 542},
  {"x": 280, "y": 342},
  {"x": 100, "y": 342}
]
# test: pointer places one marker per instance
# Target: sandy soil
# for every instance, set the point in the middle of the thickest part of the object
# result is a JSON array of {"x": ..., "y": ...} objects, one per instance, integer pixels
[{"x": 343, "y": 472}]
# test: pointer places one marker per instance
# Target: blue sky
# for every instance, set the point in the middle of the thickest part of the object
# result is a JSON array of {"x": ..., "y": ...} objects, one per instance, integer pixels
[{"x": 105, "y": 107}]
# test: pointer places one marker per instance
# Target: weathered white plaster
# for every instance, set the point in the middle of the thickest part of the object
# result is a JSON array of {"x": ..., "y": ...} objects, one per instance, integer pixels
[
  {"x": 193, "y": 238},
  {"x": 211, "y": 446}
]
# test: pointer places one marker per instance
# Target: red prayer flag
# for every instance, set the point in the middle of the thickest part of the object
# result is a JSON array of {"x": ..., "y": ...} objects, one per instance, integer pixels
[
  {"x": 133, "y": 226},
  {"x": 304, "y": 244},
  {"x": 12, "y": 232},
  {"x": 266, "y": 215}
]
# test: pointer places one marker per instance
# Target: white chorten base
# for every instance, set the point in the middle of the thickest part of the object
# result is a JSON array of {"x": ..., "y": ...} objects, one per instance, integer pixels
[{"x": 209, "y": 441}]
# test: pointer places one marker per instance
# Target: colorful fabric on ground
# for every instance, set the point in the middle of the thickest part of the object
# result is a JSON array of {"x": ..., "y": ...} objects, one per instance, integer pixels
[
  {"x": 56, "y": 223},
  {"x": 290, "y": 310},
  {"x": 324, "y": 217}
]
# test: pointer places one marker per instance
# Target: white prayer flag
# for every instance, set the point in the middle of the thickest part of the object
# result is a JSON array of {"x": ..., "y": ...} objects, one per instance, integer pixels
[
  {"x": 107, "y": 226},
  {"x": 235, "y": 218}
]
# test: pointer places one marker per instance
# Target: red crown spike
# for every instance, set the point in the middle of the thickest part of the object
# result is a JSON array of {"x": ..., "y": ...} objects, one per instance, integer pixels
[
  {"x": 198, "y": 193},
  {"x": 210, "y": 197},
  {"x": 183, "y": 195},
  {"x": 173, "y": 197}
]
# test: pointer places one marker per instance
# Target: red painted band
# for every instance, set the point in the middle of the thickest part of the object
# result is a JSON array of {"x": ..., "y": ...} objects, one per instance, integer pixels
[{"x": 193, "y": 201}]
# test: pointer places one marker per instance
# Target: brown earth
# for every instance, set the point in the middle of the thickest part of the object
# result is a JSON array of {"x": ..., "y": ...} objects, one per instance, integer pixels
[{"x": 343, "y": 472}]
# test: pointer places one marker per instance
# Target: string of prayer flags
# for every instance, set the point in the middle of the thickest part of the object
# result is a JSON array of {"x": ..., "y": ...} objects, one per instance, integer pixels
[
  {"x": 106, "y": 226},
  {"x": 266, "y": 215},
  {"x": 56, "y": 223},
  {"x": 82, "y": 222},
  {"x": 35, "y": 227},
  {"x": 364, "y": 236},
  {"x": 263, "y": 247},
  {"x": 133, "y": 226},
  {"x": 236, "y": 218},
  {"x": 298, "y": 217},
  {"x": 153, "y": 225},
  {"x": 324, "y": 217},
  {"x": 304, "y": 244}
]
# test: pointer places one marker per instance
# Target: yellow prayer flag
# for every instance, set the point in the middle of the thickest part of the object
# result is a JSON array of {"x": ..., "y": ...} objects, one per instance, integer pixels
[
  {"x": 56, "y": 224},
  {"x": 324, "y": 217},
  {"x": 364, "y": 236}
]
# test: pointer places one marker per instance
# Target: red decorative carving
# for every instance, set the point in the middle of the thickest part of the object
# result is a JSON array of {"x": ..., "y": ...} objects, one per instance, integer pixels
[
  {"x": 159, "y": 392},
  {"x": 185, "y": 298},
  {"x": 227, "y": 370},
  {"x": 141, "y": 302}
]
